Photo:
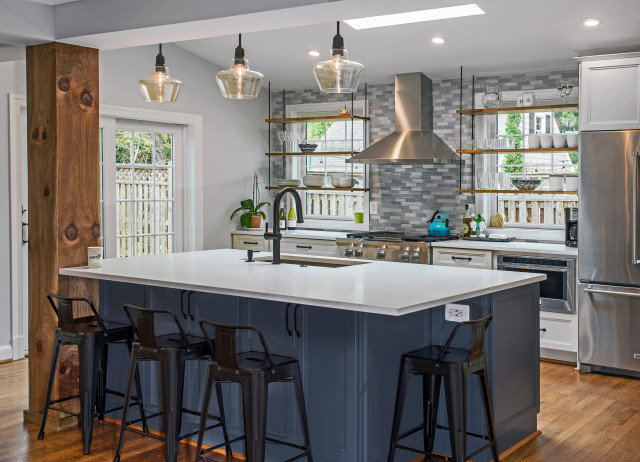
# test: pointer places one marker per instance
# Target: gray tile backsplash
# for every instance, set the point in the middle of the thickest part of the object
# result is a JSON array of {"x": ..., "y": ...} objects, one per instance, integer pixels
[{"x": 408, "y": 195}]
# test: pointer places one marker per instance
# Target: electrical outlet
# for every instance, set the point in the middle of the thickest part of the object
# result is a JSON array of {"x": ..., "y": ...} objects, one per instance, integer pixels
[
  {"x": 373, "y": 208},
  {"x": 456, "y": 313}
]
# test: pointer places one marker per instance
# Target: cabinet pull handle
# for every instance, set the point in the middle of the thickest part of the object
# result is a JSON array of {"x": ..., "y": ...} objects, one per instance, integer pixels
[
  {"x": 295, "y": 320},
  {"x": 189, "y": 305},
  {"x": 544, "y": 329},
  {"x": 182, "y": 303},
  {"x": 455, "y": 257},
  {"x": 308, "y": 247},
  {"x": 249, "y": 243},
  {"x": 286, "y": 320}
]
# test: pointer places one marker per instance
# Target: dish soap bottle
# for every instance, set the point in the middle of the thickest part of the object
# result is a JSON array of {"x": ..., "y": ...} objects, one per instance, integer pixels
[
  {"x": 466, "y": 222},
  {"x": 282, "y": 219},
  {"x": 291, "y": 218}
]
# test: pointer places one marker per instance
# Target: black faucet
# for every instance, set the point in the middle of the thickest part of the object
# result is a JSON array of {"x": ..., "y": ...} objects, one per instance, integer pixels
[{"x": 275, "y": 236}]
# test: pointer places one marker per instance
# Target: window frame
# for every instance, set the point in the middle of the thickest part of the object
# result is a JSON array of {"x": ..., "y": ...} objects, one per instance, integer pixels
[{"x": 296, "y": 164}]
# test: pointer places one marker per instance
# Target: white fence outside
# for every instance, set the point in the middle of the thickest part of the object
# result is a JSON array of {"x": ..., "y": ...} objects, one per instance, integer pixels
[{"x": 545, "y": 210}]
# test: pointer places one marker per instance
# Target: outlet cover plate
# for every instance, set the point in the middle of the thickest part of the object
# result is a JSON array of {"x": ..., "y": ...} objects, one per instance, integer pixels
[
  {"x": 456, "y": 313},
  {"x": 373, "y": 208}
]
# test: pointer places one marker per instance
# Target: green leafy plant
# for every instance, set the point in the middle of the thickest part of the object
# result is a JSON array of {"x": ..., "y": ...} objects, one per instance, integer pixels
[{"x": 251, "y": 207}]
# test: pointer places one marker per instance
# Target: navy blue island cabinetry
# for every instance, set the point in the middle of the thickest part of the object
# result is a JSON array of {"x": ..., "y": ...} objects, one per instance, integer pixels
[{"x": 349, "y": 345}]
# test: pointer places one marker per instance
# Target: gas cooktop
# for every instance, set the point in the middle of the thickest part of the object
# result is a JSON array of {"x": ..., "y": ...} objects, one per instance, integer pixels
[{"x": 391, "y": 236}]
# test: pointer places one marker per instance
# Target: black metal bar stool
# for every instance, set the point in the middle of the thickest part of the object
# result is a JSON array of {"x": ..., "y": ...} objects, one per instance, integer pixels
[
  {"x": 454, "y": 365},
  {"x": 171, "y": 351},
  {"x": 254, "y": 371},
  {"x": 92, "y": 335}
]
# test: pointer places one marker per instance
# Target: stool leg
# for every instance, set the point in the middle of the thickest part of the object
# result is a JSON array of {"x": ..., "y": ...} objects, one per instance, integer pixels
[
  {"x": 302, "y": 412},
  {"x": 52, "y": 374},
  {"x": 206, "y": 398},
  {"x": 455, "y": 392},
  {"x": 90, "y": 353},
  {"x": 101, "y": 400},
  {"x": 138, "y": 383},
  {"x": 254, "y": 406},
  {"x": 223, "y": 420},
  {"x": 403, "y": 382},
  {"x": 430, "y": 400},
  {"x": 172, "y": 380},
  {"x": 133, "y": 364},
  {"x": 488, "y": 409}
]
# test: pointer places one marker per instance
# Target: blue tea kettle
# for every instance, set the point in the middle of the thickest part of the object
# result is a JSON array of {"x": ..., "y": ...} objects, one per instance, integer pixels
[{"x": 439, "y": 227}]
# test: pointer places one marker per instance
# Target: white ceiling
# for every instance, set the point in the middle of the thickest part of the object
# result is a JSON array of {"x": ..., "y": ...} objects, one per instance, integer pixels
[{"x": 513, "y": 36}]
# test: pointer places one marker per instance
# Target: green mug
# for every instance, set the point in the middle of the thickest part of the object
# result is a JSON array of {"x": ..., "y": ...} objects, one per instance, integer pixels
[{"x": 359, "y": 216}]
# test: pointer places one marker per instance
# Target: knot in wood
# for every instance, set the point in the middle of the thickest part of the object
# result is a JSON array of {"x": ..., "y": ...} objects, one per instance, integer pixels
[
  {"x": 71, "y": 232},
  {"x": 46, "y": 191},
  {"x": 63, "y": 84},
  {"x": 95, "y": 230},
  {"x": 86, "y": 98}
]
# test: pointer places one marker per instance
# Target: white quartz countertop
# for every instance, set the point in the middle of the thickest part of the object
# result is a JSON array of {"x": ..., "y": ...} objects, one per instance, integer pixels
[
  {"x": 535, "y": 248},
  {"x": 375, "y": 287},
  {"x": 298, "y": 233}
]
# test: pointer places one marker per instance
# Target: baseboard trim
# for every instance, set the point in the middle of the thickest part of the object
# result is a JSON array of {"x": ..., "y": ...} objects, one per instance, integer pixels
[
  {"x": 559, "y": 361},
  {"x": 6, "y": 352},
  {"x": 53, "y": 423}
]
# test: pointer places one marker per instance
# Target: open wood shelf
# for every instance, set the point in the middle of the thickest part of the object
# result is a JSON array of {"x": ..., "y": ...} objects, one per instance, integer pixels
[
  {"x": 314, "y": 153},
  {"x": 520, "y": 109},
  {"x": 507, "y": 151},
  {"x": 511, "y": 191},
  {"x": 305, "y": 188},
  {"x": 298, "y": 120}
]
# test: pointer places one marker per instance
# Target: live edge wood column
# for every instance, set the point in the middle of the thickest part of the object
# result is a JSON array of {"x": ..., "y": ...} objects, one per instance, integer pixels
[{"x": 63, "y": 159}]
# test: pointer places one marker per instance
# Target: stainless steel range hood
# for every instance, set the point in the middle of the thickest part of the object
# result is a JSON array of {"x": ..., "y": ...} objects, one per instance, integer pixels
[{"x": 413, "y": 141}]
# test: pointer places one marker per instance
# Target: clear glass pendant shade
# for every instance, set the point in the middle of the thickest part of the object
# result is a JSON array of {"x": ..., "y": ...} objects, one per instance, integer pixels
[
  {"x": 338, "y": 75},
  {"x": 239, "y": 82},
  {"x": 160, "y": 87}
]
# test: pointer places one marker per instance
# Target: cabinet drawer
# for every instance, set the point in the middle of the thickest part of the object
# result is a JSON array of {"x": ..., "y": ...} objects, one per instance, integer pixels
[
  {"x": 308, "y": 247},
  {"x": 250, "y": 241},
  {"x": 462, "y": 257},
  {"x": 558, "y": 331}
]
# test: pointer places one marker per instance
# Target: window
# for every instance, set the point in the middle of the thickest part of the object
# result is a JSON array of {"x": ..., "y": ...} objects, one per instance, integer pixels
[
  {"x": 144, "y": 193},
  {"x": 337, "y": 206}
]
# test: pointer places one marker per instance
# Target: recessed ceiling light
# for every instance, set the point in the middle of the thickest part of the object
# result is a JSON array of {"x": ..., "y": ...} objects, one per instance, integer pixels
[
  {"x": 438, "y": 40},
  {"x": 591, "y": 22},
  {"x": 415, "y": 16},
  {"x": 313, "y": 52}
]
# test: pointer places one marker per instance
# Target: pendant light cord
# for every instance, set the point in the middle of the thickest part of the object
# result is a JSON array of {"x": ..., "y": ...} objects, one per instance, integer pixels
[{"x": 338, "y": 23}]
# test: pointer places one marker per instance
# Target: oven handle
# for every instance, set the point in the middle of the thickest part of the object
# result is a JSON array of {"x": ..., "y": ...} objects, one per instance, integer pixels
[
  {"x": 612, "y": 292},
  {"x": 533, "y": 268},
  {"x": 634, "y": 206}
]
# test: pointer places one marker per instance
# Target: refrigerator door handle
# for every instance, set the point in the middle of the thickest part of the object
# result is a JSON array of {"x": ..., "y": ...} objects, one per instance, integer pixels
[
  {"x": 612, "y": 292},
  {"x": 635, "y": 260}
]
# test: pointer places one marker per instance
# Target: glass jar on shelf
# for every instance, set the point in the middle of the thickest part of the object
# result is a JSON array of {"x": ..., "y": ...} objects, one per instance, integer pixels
[{"x": 492, "y": 97}]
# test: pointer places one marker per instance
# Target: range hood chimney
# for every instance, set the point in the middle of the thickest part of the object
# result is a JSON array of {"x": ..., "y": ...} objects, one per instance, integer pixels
[{"x": 413, "y": 141}]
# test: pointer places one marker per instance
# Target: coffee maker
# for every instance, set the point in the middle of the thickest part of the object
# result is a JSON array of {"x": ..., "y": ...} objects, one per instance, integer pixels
[{"x": 571, "y": 226}]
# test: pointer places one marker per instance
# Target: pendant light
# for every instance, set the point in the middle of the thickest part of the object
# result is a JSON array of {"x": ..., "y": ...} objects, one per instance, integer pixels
[
  {"x": 239, "y": 82},
  {"x": 160, "y": 87},
  {"x": 338, "y": 74}
]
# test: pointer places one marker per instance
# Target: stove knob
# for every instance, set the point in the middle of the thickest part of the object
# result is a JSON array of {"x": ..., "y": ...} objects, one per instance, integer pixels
[
  {"x": 404, "y": 256},
  {"x": 358, "y": 252},
  {"x": 381, "y": 253},
  {"x": 414, "y": 257},
  {"x": 348, "y": 252}
]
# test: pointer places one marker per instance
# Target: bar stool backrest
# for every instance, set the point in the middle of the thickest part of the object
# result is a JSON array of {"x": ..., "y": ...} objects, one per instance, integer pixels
[
  {"x": 478, "y": 329},
  {"x": 144, "y": 326},
  {"x": 225, "y": 348},
  {"x": 64, "y": 311}
]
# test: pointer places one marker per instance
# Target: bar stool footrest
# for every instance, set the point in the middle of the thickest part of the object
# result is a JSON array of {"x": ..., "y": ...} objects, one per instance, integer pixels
[{"x": 218, "y": 446}]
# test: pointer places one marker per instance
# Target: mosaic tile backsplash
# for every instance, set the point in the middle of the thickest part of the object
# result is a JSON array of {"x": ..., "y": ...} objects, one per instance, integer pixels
[{"x": 408, "y": 195}]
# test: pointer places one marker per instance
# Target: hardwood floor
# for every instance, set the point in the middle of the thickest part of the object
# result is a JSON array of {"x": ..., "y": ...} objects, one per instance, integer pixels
[{"x": 584, "y": 417}]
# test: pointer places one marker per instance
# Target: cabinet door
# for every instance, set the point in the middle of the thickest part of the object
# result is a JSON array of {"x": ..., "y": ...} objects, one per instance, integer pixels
[
  {"x": 309, "y": 247},
  {"x": 462, "y": 257},
  {"x": 559, "y": 331},
  {"x": 610, "y": 94},
  {"x": 250, "y": 242}
]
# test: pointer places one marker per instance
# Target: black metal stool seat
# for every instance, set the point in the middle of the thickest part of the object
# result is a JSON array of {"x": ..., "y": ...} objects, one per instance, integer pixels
[
  {"x": 254, "y": 371},
  {"x": 92, "y": 335},
  {"x": 171, "y": 351},
  {"x": 435, "y": 363}
]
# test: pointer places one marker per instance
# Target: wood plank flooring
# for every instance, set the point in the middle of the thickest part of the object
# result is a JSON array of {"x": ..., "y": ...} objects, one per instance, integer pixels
[{"x": 584, "y": 418}]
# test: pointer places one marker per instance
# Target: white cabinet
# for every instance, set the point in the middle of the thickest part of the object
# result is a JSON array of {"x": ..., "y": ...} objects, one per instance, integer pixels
[
  {"x": 318, "y": 247},
  {"x": 610, "y": 92},
  {"x": 559, "y": 336},
  {"x": 250, "y": 242},
  {"x": 462, "y": 258}
]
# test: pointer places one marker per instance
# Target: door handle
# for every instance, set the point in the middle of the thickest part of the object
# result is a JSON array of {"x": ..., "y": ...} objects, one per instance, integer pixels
[
  {"x": 295, "y": 320},
  {"x": 308, "y": 247},
  {"x": 612, "y": 292},
  {"x": 25, "y": 229},
  {"x": 286, "y": 320},
  {"x": 182, "y": 304},
  {"x": 453, "y": 257},
  {"x": 189, "y": 305},
  {"x": 634, "y": 205}
]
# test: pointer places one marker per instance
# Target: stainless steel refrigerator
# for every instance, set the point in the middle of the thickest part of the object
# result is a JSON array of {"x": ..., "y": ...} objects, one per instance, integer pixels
[{"x": 609, "y": 252}]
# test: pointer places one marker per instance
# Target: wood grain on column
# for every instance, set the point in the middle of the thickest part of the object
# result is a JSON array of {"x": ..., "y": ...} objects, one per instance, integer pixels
[{"x": 63, "y": 162}]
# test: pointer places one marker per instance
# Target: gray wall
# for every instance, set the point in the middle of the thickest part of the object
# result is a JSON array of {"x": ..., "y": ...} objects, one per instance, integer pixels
[{"x": 408, "y": 195}]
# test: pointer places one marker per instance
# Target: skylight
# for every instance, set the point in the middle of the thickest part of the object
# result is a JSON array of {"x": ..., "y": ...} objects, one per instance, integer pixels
[{"x": 415, "y": 16}]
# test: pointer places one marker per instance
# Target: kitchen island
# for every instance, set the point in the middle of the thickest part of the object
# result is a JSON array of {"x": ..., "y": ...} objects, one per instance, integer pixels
[{"x": 352, "y": 326}]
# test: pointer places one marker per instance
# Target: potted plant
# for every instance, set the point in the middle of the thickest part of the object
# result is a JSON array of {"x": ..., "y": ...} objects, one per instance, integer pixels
[{"x": 252, "y": 215}]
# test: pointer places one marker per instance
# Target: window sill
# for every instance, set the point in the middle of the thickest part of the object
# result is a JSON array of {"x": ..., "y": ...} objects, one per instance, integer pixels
[{"x": 333, "y": 225}]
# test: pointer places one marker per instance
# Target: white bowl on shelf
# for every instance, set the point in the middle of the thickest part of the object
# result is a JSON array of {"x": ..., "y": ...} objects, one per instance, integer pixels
[
  {"x": 534, "y": 141},
  {"x": 343, "y": 182},
  {"x": 571, "y": 183},
  {"x": 572, "y": 140},
  {"x": 289, "y": 182},
  {"x": 546, "y": 141},
  {"x": 559, "y": 140},
  {"x": 313, "y": 181}
]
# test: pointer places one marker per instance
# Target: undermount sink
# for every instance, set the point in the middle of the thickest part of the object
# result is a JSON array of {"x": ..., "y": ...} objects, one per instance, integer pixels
[{"x": 313, "y": 261}]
